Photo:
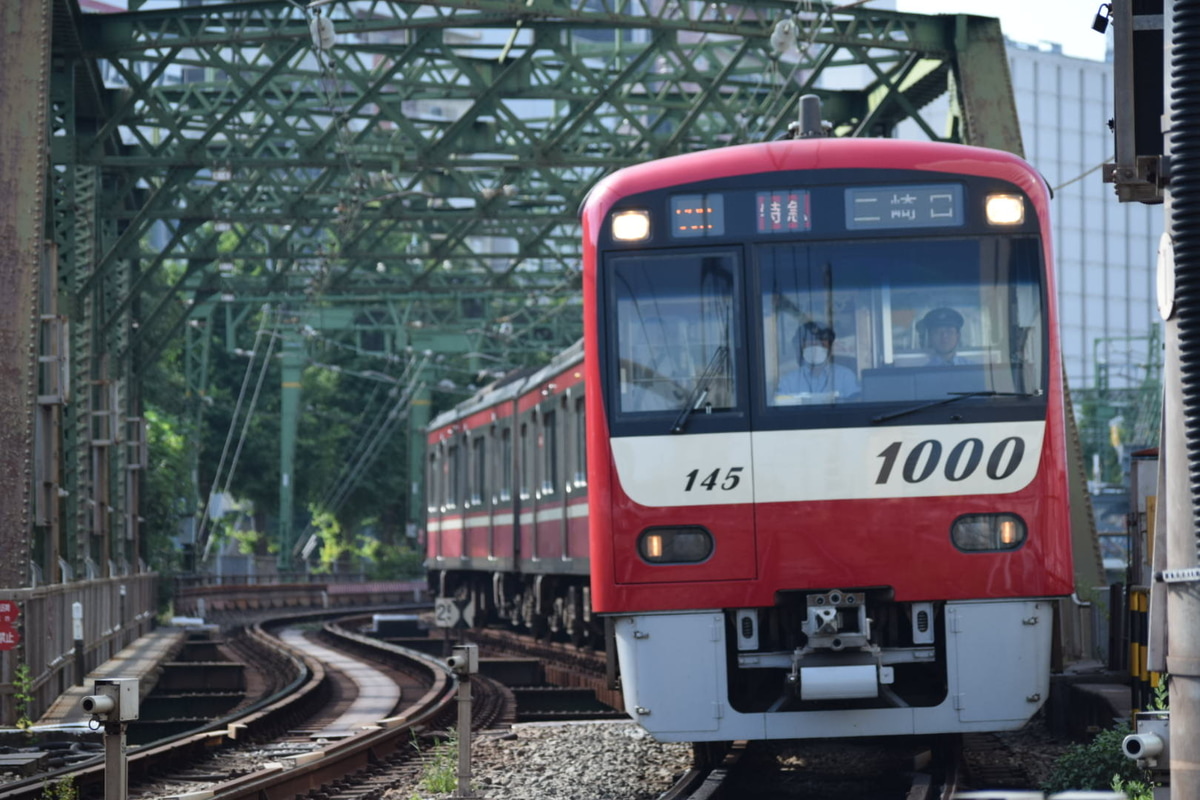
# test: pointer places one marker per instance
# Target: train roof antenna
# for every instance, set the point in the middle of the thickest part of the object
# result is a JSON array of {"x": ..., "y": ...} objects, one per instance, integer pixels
[{"x": 810, "y": 125}]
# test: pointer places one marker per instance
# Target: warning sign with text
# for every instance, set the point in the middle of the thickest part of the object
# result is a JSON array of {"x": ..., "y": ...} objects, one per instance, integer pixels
[{"x": 9, "y": 611}]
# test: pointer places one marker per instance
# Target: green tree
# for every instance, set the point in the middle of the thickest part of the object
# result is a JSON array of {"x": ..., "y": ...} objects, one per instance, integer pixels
[{"x": 169, "y": 494}]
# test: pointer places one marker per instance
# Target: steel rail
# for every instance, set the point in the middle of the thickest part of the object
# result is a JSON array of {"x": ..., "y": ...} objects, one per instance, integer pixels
[{"x": 263, "y": 719}]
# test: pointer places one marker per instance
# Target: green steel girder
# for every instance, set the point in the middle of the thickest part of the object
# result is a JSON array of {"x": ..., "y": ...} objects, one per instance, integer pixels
[
  {"x": 444, "y": 148},
  {"x": 422, "y": 175}
]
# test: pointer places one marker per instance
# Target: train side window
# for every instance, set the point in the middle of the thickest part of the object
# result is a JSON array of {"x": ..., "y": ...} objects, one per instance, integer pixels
[
  {"x": 434, "y": 485},
  {"x": 506, "y": 465},
  {"x": 580, "y": 476},
  {"x": 526, "y": 466},
  {"x": 479, "y": 470},
  {"x": 453, "y": 487},
  {"x": 549, "y": 446}
]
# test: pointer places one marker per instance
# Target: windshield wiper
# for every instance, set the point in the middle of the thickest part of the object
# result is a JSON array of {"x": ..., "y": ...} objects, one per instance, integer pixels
[
  {"x": 699, "y": 392},
  {"x": 954, "y": 398}
]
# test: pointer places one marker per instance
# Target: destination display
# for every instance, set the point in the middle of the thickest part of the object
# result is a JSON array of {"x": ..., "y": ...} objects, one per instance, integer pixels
[{"x": 875, "y": 208}]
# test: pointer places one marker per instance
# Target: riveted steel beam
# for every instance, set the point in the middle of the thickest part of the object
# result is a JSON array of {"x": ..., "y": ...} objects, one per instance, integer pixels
[
  {"x": 24, "y": 155},
  {"x": 426, "y": 165}
]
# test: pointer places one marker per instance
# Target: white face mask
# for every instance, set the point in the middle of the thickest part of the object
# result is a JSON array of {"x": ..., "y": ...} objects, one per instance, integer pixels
[{"x": 815, "y": 354}]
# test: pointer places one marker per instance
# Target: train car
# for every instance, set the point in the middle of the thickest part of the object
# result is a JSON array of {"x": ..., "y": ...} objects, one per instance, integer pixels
[
  {"x": 826, "y": 454},
  {"x": 506, "y": 519}
]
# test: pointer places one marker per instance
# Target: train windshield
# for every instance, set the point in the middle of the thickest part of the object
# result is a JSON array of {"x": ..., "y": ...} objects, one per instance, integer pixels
[
  {"x": 882, "y": 321},
  {"x": 676, "y": 337}
]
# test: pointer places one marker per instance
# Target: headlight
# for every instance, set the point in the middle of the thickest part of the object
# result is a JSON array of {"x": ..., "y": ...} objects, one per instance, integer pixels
[
  {"x": 1005, "y": 209},
  {"x": 988, "y": 532},
  {"x": 631, "y": 226},
  {"x": 675, "y": 545}
]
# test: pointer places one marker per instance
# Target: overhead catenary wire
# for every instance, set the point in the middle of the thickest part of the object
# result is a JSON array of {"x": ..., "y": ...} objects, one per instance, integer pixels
[
  {"x": 266, "y": 312},
  {"x": 262, "y": 374},
  {"x": 398, "y": 414},
  {"x": 369, "y": 444},
  {"x": 373, "y": 437},
  {"x": 1081, "y": 175},
  {"x": 371, "y": 432}
]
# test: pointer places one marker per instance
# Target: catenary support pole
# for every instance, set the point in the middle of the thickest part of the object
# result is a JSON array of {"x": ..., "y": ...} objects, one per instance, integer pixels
[{"x": 1179, "y": 300}]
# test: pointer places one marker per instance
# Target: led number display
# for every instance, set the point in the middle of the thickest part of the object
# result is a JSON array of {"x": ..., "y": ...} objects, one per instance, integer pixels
[{"x": 694, "y": 216}]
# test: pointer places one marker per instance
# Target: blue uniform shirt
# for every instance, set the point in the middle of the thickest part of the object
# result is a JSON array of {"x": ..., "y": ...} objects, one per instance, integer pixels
[{"x": 823, "y": 379}]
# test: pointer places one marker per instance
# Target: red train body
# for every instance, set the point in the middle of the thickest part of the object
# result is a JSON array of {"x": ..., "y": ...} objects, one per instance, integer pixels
[{"x": 805, "y": 514}]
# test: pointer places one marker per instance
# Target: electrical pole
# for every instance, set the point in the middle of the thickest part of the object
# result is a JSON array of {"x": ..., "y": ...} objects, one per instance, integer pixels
[
  {"x": 1156, "y": 77},
  {"x": 1179, "y": 303}
]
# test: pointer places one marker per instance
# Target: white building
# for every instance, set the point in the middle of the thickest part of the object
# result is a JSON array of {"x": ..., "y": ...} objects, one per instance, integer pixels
[{"x": 1105, "y": 250}]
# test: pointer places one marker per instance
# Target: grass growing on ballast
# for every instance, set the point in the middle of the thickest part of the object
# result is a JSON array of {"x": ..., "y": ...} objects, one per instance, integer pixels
[{"x": 441, "y": 767}]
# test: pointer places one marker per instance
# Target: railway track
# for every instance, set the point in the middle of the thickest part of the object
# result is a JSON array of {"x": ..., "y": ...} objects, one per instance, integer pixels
[
  {"x": 296, "y": 720},
  {"x": 838, "y": 770},
  {"x": 305, "y": 740}
]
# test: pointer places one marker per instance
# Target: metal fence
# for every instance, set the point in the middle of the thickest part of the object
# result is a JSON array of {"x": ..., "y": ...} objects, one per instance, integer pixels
[{"x": 116, "y": 611}]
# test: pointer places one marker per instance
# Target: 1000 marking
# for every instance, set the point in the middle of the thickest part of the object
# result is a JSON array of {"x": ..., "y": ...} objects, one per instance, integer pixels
[{"x": 961, "y": 463}]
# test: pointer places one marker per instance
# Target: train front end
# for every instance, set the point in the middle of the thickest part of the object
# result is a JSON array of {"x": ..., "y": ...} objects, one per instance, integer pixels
[{"x": 827, "y": 484}]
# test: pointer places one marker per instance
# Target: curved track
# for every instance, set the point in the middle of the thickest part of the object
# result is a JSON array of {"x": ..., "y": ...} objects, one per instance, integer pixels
[{"x": 310, "y": 694}]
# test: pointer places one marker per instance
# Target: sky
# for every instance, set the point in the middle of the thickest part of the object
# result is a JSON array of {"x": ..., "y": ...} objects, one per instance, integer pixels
[{"x": 1065, "y": 22}]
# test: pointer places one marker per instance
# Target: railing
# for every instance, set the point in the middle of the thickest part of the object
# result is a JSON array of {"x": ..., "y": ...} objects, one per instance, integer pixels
[
  {"x": 266, "y": 579},
  {"x": 207, "y": 599},
  {"x": 116, "y": 611}
]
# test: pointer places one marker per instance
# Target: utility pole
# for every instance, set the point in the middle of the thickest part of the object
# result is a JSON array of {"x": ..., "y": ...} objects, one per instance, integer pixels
[
  {"x": 1156, "y": 63},
  {"x": 293, "y": 356},
  {"x": 1179, "y": 303}
]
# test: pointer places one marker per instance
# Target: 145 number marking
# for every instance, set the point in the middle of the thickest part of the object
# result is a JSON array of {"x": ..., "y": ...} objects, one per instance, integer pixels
[{"x": 714, "y": 479}]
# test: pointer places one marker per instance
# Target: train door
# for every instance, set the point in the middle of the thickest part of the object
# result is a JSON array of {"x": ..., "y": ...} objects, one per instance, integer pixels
[
  {"x": 505, "y": 497},
  {"x": 433, "y": 501},
  {"x": 575, "y": 475},
  {"x": 524, "y": 524},
  {"x": 549, "y": 522},
  {"x": 479, "y": 526},
  {"x": 457, "y": 499},
  {"x": 445, "y": 507}
]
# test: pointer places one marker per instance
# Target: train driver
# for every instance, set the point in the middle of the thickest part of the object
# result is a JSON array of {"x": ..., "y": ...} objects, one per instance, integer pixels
[
  {"x": 817, "y": 377},
  {"x": 942, "y": 329}
]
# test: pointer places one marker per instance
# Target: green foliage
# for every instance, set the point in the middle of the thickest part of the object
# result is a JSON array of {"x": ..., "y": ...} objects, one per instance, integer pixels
[
  {"x": 333, "y": 547},
  {"x": 1094, "y": 766},
  {"x": 248, "y": 541},
  {"x": 441, "y": 769},
  {"x": 380, "y": 560},
  {"x": 23, "y": 696},
  {"x": 1133, "y": 790},
  {"x": 392, "y": 562},
  {"x": 345, "y": 398},
  {"x": 60, "y": 790},
  {"x": 1161, "y": 701},
  {"x": 169, "y": 493}
]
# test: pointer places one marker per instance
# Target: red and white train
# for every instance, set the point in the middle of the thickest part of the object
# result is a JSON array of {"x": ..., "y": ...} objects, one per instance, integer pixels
[{"x": 825, "y": 489}]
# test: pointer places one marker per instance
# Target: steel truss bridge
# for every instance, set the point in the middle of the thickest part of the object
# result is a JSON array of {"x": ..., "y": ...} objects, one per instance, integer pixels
[{"x": 403, "y": 172}]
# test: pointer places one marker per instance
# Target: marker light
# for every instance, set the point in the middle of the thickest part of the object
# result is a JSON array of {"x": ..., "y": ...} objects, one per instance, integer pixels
[
  {"x": 675, "y": 545},
  {"x": 1005, "y": 209},
  {"x": 988, "y": 532},
  {"x": 631, "y": 226}
]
